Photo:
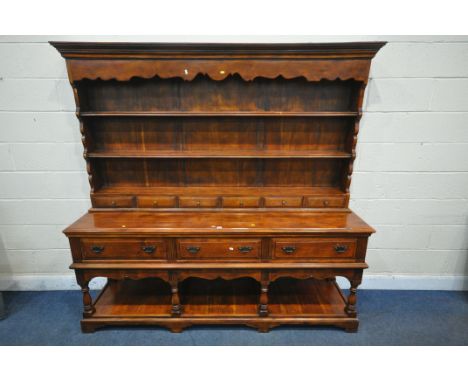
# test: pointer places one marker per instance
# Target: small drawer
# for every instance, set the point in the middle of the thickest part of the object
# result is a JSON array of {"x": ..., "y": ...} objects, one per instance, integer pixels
[
  {"x": 331, "y": 248},
  {"x": 240, "y": 202},
  {"x": 113, "y": 201},
  {"x": 121, "y": 249},
  {"x": 156, "y": 201},
  {"x": 198, "y": 202},
  {"x": 325, "y": 201},
  {"x": 283, "y": 202},
  {"x": 219, "y": 249}
]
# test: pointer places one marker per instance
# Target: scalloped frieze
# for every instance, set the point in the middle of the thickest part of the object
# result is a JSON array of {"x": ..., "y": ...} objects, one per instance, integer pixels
[
  {"x": 219, "y": 274},
  {"x": 248, "y": 70},
  {"x": 319, "y": 274}
]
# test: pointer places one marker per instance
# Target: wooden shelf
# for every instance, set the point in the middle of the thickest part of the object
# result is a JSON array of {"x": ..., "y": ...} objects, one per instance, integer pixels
[
  {"x": 220, "y": 190},
  {"x": 220, "y": 298},
  {"x": 153, "y": 298},
  {"x": 228, "y": 153},
  {"x": 218, "y": 114}
]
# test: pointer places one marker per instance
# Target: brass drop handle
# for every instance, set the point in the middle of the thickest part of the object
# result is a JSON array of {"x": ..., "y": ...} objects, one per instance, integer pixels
[
  {"x": 113, "y": 203},
  {"x": 193, "y": 250},
  {"x": 241, "y": 204},
  {"x": 326, "y": 203},
  {"x": 340, "y": 248},
  {"x": 148, "y": 248},
  {"x": 289, "y": 249},
  {"x": 97, "y": 248},
  {"x": 245, "y": 249},
  {"x": 198, "y": 203},
  {"x": 283, "y": 203}
]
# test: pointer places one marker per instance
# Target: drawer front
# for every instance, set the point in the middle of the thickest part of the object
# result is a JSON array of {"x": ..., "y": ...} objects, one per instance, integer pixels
[
  {"x": 198, "y": 202},
  {"x": 328, "y": 248},
  {"x": 121, "y": 249},
  {"x": 283, "y": 202},
  {"x": 157, "y": 201},
  {"x": 113, "y": 201},
  {"x": 240, "y": 202},
  {"x": 219, "y": 249},
  {"x": 325, "y": 202}
]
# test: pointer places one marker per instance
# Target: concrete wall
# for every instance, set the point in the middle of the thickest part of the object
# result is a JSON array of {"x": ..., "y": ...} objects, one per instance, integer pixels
[{"x": 410, "y": 180}]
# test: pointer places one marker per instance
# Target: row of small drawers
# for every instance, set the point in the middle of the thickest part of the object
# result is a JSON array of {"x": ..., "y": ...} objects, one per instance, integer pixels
[
  {"x": 217, "y": 249},
  {"x": 217, "y": 202}
]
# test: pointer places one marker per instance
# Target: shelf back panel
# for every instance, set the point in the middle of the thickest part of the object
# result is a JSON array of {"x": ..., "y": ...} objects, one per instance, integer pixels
[
  {"x": 121, "y": 135},
  {"x": 230, "y": 94},
  {"x": 220, "y": 172}
]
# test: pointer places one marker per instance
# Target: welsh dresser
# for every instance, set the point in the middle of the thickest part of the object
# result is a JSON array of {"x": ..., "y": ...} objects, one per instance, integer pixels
[{"x": 220, "y": 178}]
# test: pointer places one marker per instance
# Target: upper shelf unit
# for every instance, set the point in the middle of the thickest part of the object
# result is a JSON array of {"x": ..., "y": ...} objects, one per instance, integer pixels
[{"x": 276, "y": 120}]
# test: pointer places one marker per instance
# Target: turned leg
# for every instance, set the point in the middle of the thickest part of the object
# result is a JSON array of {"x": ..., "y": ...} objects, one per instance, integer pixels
[
  {"x": 263, "y": 306},
  {"x": 352, "y": 299},
  {"x": 88, "y": 308},
  {"x": 176, "y": 309}
]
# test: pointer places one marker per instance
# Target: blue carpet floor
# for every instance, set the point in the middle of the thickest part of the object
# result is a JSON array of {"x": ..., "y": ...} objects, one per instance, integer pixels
[{"x": 387, "y": 318}]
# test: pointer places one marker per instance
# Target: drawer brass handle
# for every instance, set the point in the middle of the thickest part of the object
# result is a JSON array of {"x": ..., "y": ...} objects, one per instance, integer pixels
[
  {"x": 97, "y": 248},
  {"x": 148, "y": 248},
  {"x": 340, "y": 248},
  {"x": 193, "y": 250},
  {"x": 289, "y": 249},
  {"x": 245, "y": 249}
]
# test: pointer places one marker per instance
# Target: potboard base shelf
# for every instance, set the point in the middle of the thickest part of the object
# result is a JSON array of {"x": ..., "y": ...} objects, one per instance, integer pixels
[{"x": 207, "y": 302}]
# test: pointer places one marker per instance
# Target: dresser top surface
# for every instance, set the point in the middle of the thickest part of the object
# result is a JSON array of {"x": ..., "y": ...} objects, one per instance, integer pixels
[{"x": 219, "y": 223}]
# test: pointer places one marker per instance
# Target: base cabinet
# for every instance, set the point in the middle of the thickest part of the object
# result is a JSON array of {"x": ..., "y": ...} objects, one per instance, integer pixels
[{"x": 259, "y": 281}]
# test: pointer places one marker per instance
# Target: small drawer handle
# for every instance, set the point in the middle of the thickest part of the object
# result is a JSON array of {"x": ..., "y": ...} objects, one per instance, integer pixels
[
  {"x": 245, "y": 249},
  {"x": 97, "y": 248},
  {"x": 340, "y": 248},
  {"x": 148, "y": 248},
  {"x": 193, "y": 250},
  {"x": 289, "y": 249}
]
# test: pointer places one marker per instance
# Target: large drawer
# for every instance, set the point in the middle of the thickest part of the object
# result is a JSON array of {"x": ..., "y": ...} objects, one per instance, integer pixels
[
  {"x": 314, "y": 248},
  {"x": 121, "y": 249},
  {"x": 219, "y": 249}
]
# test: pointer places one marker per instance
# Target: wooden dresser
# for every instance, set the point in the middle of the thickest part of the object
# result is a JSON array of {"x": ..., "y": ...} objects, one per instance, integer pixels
[{"x": 220, "y": 178}]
